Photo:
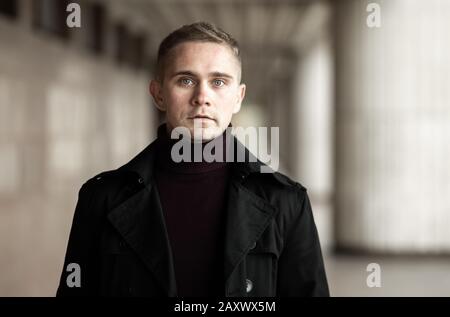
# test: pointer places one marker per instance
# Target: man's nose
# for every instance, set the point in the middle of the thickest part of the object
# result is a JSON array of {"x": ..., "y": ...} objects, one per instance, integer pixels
[{"x": 201, "y": 95}]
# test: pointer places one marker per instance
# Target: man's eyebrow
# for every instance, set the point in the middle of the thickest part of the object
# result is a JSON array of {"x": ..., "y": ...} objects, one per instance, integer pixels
[
  {"x": 184, "y": 72},
  {"x": 220, "y": 74},
  {"x": 213, "y": 74}
]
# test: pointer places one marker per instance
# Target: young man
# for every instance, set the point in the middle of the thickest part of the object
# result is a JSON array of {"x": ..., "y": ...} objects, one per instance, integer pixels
[{"x": 158, "y": 227}]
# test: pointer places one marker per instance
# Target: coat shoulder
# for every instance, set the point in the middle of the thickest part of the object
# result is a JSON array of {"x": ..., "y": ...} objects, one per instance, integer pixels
[
  {"x": 285, "y": 180},
  {"x": 109, "y": 185},
  {"x": 278, "y": 181},
  {"x": 278, "y": 190},
  {"x": 109, "y": 178}
]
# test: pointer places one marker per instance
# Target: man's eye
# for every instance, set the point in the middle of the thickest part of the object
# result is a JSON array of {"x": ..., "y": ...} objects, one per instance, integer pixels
[
  {"x": 218, "y": 82},
  {"x": 186, "y": 81}
]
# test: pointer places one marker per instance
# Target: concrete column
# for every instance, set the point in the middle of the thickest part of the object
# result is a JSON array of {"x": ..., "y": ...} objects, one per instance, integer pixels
[
  {"x": 312, "y": 141},
  {"x": 392, "y": 178}
]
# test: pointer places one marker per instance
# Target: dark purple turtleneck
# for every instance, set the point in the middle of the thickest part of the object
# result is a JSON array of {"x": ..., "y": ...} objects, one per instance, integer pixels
[{"x": 193, "y": 199}]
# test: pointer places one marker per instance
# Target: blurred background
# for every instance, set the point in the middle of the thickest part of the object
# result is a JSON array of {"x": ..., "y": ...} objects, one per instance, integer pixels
[{"x": 359, "y": 89}]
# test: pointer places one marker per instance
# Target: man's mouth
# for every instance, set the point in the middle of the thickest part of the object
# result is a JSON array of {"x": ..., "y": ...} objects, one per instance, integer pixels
[{"x": 201, "y": 117}]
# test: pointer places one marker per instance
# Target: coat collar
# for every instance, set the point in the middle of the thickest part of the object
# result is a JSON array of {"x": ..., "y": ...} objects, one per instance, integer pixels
[{"x": 140, "y": 219}]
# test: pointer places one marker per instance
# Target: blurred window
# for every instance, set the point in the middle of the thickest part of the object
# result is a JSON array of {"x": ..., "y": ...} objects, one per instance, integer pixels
[
  {"x": 136, "y": 51},
  {"x": 50, "y": 16},
  {"x": 95, "y": 27},
  {"x": 130, "y": 48},
  {"x": 121, "y": 43},
  {"x": 8, "y": 8}
]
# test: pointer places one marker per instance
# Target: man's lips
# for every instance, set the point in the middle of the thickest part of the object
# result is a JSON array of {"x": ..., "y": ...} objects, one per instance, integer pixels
[{"x": 201, "y": 117}]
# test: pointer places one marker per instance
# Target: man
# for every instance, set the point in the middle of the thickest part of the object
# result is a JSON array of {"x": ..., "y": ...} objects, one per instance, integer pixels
[{"x": 157, "y": 227}]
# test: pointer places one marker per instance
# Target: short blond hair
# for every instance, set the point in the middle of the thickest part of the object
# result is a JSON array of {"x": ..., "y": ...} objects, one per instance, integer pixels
[{"x": 195, "y": 32}]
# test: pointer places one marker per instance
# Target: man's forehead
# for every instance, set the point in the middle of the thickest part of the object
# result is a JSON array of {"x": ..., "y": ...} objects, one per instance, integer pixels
[
  {"x": 201, "y": 47},
  {"x": 202, "y": 54}
]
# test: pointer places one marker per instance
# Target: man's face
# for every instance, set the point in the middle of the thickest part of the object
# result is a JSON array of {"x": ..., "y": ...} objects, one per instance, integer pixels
[{"x": 200, "y": 86}]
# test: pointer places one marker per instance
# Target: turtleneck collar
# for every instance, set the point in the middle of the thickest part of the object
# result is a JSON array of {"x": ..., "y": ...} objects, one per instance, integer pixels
[{"x": 165, "y": 161}]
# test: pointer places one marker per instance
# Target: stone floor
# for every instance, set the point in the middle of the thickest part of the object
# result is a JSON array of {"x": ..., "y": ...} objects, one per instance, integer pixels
[{"x": 400, "y": 276}]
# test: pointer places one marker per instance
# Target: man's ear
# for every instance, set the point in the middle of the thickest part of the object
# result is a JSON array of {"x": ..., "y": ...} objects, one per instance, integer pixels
[
  {"x": 156, "y": 92},
  {"x": 240, "y": 97}
]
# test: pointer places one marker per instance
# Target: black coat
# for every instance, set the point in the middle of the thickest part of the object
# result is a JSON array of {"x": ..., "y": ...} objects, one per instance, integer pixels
[{"x": 119, "y": 240}]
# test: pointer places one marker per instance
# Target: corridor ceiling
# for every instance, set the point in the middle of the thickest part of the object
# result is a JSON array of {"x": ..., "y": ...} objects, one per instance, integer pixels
[{"x": 270, "y": 32}]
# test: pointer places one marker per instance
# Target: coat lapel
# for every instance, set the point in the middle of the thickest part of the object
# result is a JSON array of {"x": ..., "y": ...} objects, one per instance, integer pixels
[
  {"x": 248, "y": 215},
  {"x": 140, "y": 220},
  {"x": 141, "y": 223}
]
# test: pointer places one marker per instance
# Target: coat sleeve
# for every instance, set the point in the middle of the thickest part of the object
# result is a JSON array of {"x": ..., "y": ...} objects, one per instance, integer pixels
[
  {"x": 301, "y": 271},
  {"x": 81, "y": 260}
]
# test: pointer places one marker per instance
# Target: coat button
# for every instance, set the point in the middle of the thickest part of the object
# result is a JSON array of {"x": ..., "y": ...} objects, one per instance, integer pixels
[
  {"x": 253, "y": 246},
  {"x": 140, "y": 180},
  {"x": 249, "y": 285}
]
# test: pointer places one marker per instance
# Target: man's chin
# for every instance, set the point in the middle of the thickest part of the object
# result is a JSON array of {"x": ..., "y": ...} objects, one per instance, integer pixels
[{"x": 204, "y": 134}]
